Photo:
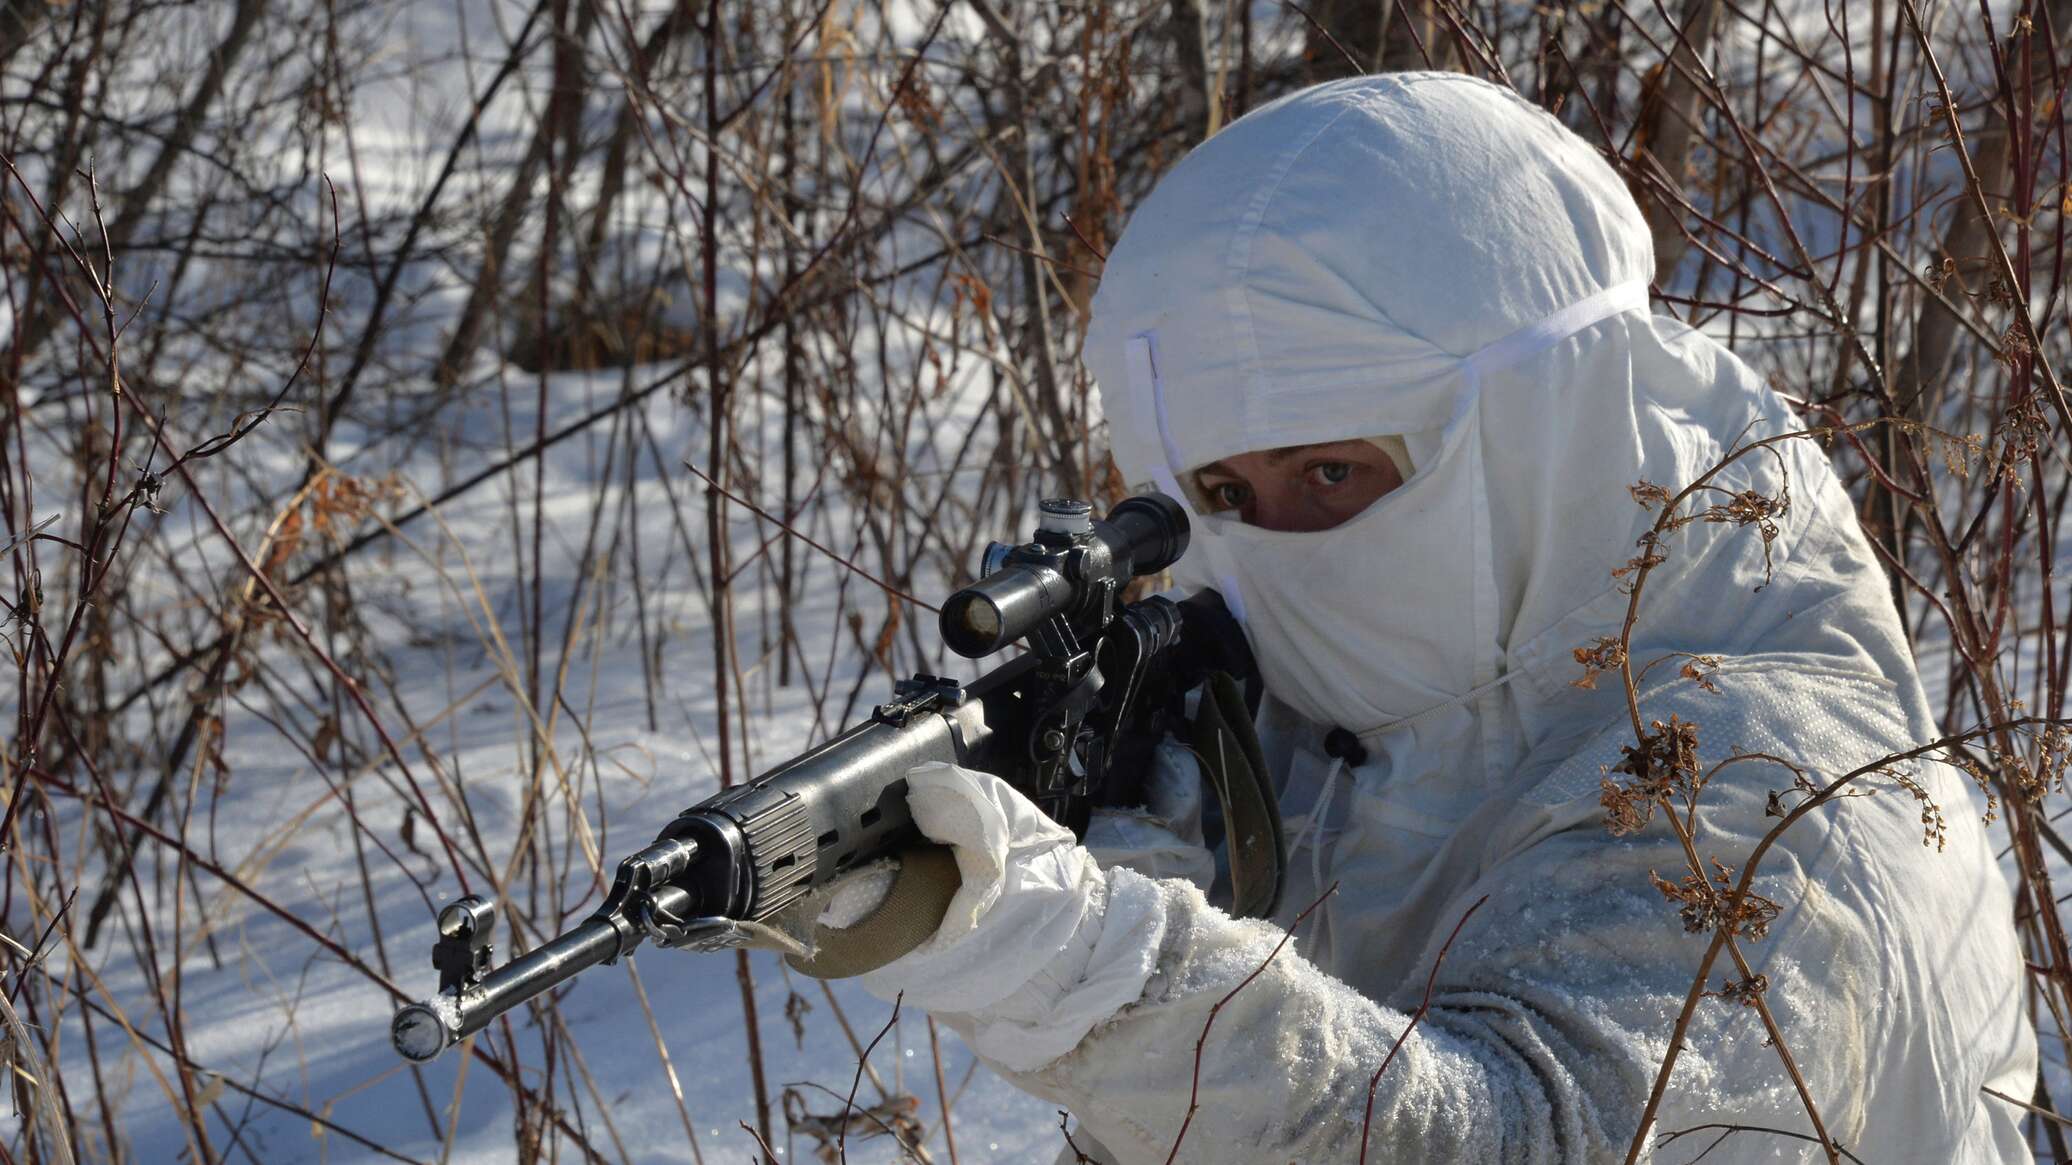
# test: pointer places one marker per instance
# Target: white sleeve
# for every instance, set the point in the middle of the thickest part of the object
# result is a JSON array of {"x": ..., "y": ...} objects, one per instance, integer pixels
[
  {"x": 1286, "y": 1065},
  {"x": 1548, "y": 1020}
]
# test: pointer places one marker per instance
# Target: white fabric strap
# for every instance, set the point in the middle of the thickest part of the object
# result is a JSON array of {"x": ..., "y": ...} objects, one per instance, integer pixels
[
  {"x": 1147, "y": 391},
  {"x": 1537, "y": 337},
  {"x": 1148, "y": 394}
]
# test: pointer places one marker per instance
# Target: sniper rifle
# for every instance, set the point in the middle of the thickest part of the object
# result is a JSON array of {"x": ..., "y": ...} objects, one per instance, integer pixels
[{"x": 1071, "y": 724}]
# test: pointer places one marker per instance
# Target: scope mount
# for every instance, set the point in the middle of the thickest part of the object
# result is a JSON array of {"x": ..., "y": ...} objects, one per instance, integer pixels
[{"x": 1069, "y": 683}]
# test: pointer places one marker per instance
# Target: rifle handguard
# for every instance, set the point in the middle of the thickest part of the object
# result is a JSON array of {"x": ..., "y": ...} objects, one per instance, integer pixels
[{"x": 910, "y": 914}]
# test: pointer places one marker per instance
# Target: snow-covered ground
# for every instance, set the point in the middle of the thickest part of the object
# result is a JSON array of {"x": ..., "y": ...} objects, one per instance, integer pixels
[
  {"x": 273, "y": 1009},
  {"x": 632, "y": 741}
]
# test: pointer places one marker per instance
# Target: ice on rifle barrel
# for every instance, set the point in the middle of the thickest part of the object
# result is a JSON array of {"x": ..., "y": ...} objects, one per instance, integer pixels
[{"x": 420, "y": 1031}]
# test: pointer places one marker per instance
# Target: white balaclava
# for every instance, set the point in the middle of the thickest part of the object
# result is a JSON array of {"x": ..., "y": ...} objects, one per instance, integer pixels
[{"x": 1431, "y": 256}]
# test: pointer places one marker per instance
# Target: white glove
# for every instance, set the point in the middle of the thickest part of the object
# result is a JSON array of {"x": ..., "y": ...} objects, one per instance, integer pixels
[{"x": 1039, "y": 944}]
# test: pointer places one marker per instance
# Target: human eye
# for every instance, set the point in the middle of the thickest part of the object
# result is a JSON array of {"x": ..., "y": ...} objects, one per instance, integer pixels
[
  {"x": 1325, "y": 474},
  {"x": 1228, "y": 495}
]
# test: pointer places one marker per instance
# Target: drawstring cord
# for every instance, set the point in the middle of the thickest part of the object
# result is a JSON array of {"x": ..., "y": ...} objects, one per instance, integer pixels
[
  {"x": 1467, "y": 697},
  {"x": 1311, "y": 832},
  {"x": 1347, "y": 753}
]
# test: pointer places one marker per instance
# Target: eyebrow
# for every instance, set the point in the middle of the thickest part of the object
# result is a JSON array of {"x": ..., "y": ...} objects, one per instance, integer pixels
[{"x": 1273, "y": 457}]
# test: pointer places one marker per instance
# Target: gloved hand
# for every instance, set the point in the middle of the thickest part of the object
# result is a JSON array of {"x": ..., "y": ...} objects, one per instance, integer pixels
[
  {"x": 1037, "y": 943},
  {"x": 1163, "y": 839},
  {"x": 882, "y": 911}
]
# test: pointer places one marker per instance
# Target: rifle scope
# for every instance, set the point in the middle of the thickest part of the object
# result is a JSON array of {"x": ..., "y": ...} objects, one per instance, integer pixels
[{"x": 1074, "y": 566}]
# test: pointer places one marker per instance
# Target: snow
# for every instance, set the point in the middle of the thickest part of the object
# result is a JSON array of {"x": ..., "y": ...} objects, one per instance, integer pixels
[
  {"x": 856, "y": 896},
  {"x": 305, "y": 1020},
  {"x": 271, "y": 1007}
]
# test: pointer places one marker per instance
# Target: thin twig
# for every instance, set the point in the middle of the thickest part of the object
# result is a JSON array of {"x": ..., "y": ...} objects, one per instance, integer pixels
[
  {"x": 855, "y": 1081},
  {"x": 1424, "y": 1005},
  {"x": 1194, "y": 1086}
]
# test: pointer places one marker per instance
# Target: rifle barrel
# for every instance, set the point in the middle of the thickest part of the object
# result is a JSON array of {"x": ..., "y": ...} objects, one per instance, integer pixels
[{"x": 422, "y": 1030}]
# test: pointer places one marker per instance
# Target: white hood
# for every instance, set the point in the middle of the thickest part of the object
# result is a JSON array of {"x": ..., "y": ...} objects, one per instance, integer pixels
[{"x": 1483, "y": 293}]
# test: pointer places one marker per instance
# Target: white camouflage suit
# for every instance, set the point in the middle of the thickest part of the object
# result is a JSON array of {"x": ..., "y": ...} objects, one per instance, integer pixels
[{"x": 1430, "y": 256}]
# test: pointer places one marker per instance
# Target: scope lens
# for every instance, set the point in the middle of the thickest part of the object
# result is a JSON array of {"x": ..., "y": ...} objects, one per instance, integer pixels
[
  {"x": 977, "y": 619},
  {"x": 994, "y": 558}
]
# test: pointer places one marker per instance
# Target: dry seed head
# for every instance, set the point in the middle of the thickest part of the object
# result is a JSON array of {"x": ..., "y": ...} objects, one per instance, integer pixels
[
  {"x": 1624, "y": 811},
  {"x": 2046, "y": 774},
  {"x": 1648, "y": 495},
  {"x": 914, "y": 99},
  {"x": 1708, "y": 904},
  {"x": 1959, "y": 453},
  {"x": 1742, "y": 991},
  {"x": 1664, "y": 760},
  {"x": 2014, "y": 342},
  {"x": 2022, "y": 428},
  {"x": 1698, "y": 669},
  {"x": 1607, "y": 654},
  {"x": 1982, "y": 777},
  {"x": 1934, "y": 830},
  {"x": 1636, "y": 566},
  {"x": 1663, "y": 763},
  {"x": 1752, "y": 508}
]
